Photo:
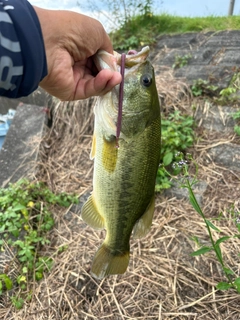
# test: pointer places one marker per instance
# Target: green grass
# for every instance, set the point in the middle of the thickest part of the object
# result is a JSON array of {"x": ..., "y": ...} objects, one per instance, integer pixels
[
  {"x": 144, "y": 29},
  {"x": 25, "y": 220}
]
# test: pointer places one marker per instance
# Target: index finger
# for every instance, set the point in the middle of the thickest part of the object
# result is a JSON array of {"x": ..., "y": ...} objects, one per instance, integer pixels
[{"x": 106, "y": 42}]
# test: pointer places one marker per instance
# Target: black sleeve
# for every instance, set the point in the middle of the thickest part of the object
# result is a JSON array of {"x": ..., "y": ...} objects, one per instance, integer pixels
[{"x": 22, "y": 54}]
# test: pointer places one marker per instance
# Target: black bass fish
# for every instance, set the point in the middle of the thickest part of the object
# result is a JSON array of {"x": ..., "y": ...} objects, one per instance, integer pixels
[{"x": 125, "y": 168}]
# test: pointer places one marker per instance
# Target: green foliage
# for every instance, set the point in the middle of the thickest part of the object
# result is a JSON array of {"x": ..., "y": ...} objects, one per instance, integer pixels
[
  {"x": 174, "y": 24},
  {"x": 177, "y": 136},
  {"x": 17, "y": 302},
  {"x": 237, "y": 130},
  {"x": 181, "y": 61},
  {"x": 131, "y": 36},
  {"x": 227, "y": 92},
  {"x": 25, "y": 219},
  {"x": 232, "y": 280},
  {"x": 5, "y": 283},
  {"x": 202, "y": 87},
  {"x": 236, "y": 116},
  {"x": 146, "y": 27},
  {"x": 227, "y": 95}
]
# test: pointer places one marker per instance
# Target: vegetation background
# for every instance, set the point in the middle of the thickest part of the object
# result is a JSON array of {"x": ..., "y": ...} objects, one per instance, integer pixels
[{"x": 187, "y": 268}]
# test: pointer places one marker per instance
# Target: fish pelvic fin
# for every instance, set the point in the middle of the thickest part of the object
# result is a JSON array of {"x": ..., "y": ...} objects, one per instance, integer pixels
[
  {"x": 143, "y": 225},
  {"x": 106, "y": 262},
  {"x": 90, "y": 214}
]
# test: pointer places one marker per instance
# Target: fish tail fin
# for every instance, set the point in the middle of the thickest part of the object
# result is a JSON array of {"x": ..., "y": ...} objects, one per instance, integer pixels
[{"x": 105, "y": 262}]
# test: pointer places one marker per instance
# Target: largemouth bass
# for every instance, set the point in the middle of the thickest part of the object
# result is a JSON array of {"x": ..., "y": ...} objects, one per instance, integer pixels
[{"x": 124, "y": 176}]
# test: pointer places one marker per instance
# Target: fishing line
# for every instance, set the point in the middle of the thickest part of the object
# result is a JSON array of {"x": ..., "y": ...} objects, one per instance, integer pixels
[{"x": 120, "y": 101}]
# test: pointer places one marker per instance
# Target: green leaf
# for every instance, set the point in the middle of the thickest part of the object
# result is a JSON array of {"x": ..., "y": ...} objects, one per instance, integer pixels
[
  {"x": 228, "y": 271},
  {"x": 223, "y": 286},
  {"x": 25, "y": 270},
  {"x": 219, "y": 253},
  {"x": 7, "y": 281},
  {"x": 167, "y": 159},
  {"x": 201, "y": 251},
  {"x": 220, "y": 240},
  {"x": 237, "y": 284},
  {"x": 18, "y": 207},
  {"x": 211, "y": 225},
  {"x": 17, "y": 302},
  {"x": 196, "y": 240},
  {"x": 237, "y": 281},
  {"x": 195, "y": 204},
  {"x": 237, "y": 130},
  {"x": 38, "y": 275}
]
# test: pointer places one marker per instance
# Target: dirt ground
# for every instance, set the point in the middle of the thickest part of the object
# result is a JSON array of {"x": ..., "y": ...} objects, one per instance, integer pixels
[{"x": 162, "y": 281}]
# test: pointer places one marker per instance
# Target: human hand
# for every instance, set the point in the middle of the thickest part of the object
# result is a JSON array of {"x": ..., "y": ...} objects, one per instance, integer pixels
[{"x": 71, "y": 40}]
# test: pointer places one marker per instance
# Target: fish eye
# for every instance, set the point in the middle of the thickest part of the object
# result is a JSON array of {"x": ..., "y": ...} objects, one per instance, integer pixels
[{"x": 146, "y": 80}]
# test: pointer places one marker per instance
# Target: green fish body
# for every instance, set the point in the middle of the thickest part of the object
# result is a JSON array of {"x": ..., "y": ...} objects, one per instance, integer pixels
[{"x": 122, "y": 200}]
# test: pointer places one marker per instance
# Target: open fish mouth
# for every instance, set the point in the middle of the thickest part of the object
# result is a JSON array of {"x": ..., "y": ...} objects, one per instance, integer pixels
[{"x": 105, "y": 60}]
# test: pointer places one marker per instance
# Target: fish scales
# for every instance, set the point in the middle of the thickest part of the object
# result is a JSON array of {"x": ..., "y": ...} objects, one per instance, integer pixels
[
  {"x": 122, "y": 201},
  {"x": 130, "y": 185}
]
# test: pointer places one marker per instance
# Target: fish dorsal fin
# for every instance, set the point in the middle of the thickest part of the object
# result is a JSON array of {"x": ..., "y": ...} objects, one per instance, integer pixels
[
  {"x": 93, "y": 150},
  {"x": 143, "y": 225},
  {"x": 90, "y": 214}
]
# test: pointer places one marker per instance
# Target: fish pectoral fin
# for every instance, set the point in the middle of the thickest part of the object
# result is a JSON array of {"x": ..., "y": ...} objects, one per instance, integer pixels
[
  {"x": 93, "y": 150},
  {"x": 143, "y": 225},
  {"x": 106, "y": 262},
  {"x": 90, "y": 214}
]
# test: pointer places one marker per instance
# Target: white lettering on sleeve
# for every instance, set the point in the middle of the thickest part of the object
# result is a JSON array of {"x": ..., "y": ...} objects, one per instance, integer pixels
[
  {"x": 6, "y": 62},
  {"x": 12, "y": 46},
  {"x": 4, "y": 17}
]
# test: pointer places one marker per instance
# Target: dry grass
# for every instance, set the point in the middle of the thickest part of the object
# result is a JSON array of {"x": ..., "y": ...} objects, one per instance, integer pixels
[
  {"x": 65, "y": 150},
  {"x": 173, "y": 93},
  {"x": 163, "y": 281}
]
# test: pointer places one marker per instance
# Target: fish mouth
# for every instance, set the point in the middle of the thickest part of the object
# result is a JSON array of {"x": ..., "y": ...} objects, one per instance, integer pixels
[
  {"x": 106, "y": 60},
  {"x": 133, "y": 57}
]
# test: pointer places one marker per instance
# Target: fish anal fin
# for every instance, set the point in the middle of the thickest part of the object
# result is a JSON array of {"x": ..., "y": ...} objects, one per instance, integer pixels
[
  {"x": 143, "y": 225},
  {"x": 93, "y": 150},
  {"x": 90, "y": 214},
  {"x": 106, "y": 263}
]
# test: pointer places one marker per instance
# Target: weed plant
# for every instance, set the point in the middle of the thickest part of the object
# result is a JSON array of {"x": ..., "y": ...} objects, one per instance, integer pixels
[
  {"x": 25, "y": 220},
  {"x": 202, "y": 87},
  {"x": 233, "y": 281},
  {"x": 181, "y": 61},
  {"x": 236, "y": 116},
  {"x": 227, "y": 96},
  {"x": 177, "y": 136}
]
